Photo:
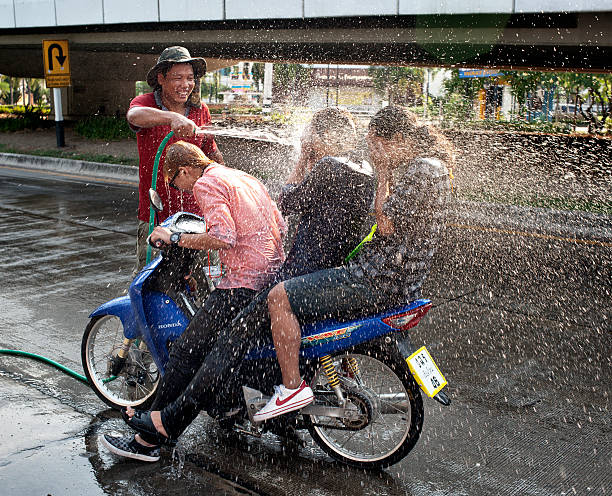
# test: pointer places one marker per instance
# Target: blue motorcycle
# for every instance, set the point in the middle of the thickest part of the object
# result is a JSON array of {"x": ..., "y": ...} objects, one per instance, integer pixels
[{"x": 366, "y": 374}]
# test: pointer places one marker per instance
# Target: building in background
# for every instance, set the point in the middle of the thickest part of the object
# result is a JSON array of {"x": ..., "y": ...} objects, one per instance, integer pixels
[
  {"x": 347, "y": 86},
  {"x": 236, "y": 84}
]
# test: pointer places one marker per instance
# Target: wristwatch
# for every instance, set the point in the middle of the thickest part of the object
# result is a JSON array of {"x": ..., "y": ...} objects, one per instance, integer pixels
[{"x": 175, "y": 238}]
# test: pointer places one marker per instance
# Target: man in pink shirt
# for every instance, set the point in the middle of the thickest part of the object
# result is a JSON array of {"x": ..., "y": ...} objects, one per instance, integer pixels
[
  {"x": 240, "y": 214},
  {"x": 246, "y": 227}
]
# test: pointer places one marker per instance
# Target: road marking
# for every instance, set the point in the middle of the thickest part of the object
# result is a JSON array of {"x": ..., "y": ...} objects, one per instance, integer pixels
[
  {"x": 532, "y": 235},
  {"x": 73, "y": 176}
]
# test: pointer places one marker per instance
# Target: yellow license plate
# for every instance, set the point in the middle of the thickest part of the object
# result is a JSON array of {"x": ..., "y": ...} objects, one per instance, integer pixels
[{"x": 426, "y": 372}]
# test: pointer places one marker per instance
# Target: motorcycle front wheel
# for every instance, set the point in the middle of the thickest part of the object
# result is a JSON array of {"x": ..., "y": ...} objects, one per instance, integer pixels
[
  {"x": 135, "y": 383},
  {"x": 387, "y": 406}
]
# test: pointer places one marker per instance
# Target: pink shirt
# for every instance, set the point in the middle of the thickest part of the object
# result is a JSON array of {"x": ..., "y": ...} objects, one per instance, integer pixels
[{"x": 240, "y": 212}]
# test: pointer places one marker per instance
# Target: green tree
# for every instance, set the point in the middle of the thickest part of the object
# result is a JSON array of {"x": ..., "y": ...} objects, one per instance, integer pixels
[
  {"x": 142, "y": 87},
  {"x": 40, "y": 94},
  {"x": 5, "y": 89},
  {"x": 593, "y": 97},
  {"x": 592, "y": 93},
  {"x": 466, "y": 87},
  {"x": 523, "y": 83},
  {"x": 257, "y": 72},
  {"x": 291, "y": 80},
  {"x": 210, "y": 89},
  {"x": 461, "y": 93},
  {"x": 401, "y": 84}
]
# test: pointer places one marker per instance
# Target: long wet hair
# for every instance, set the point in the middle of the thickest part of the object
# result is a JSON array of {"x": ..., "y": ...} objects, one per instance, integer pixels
[
  {"x": 428, "y": 140},
  {"x": 183, "y": 154}
]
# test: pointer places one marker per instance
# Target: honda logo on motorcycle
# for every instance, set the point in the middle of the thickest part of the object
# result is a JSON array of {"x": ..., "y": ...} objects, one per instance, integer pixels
[{"x": 166, "y": 326}]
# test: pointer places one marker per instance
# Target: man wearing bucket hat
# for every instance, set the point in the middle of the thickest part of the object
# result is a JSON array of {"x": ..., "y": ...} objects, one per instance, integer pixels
[{"x": 173, "y": 105}]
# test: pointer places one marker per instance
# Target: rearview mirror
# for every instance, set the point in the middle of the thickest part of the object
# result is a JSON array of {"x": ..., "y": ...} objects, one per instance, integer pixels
[{"x": 156, "y": 202}]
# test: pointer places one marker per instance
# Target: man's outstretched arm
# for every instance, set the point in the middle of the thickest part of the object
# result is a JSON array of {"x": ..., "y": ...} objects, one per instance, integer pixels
[{"x": 145, "y": 117}]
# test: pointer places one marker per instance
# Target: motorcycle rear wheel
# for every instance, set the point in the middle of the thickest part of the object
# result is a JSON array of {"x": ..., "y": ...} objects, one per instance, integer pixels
[
  {"x": 390, "y": 405},
  {"x": 136, "y": 383}
]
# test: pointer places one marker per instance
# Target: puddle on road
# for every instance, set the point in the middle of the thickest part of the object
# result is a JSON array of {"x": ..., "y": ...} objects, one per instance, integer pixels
[
  {"x": 48, "y": 448},
  {"x": 41, "y": 448}
]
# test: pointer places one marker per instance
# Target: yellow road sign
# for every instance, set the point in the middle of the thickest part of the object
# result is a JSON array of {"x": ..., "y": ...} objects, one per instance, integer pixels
[{"x": 56, "y": 63}]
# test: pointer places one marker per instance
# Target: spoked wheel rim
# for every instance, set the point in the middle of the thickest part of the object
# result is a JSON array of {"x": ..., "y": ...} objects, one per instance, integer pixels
[
  {"x": 381, "y": 395},
  {"x": 139, "y": 378}
]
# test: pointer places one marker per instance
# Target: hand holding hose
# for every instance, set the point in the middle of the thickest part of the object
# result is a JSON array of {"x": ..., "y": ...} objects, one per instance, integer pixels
[{"x": 182, "y": 127}]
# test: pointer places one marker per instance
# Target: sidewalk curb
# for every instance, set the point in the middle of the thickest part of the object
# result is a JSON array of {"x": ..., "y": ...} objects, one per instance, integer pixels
[{"x": 123, "y": 173}]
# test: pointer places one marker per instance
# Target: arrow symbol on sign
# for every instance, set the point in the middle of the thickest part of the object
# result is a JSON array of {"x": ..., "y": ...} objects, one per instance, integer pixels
[{"x": 60, "y": 57}]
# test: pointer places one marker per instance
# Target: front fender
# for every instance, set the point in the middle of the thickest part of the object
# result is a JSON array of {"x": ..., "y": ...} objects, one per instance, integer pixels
[{"x": 122, "y": 308}]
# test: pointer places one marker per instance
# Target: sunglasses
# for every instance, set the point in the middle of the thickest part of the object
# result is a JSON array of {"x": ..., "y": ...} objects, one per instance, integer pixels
[{"x": 171, "y": 183}]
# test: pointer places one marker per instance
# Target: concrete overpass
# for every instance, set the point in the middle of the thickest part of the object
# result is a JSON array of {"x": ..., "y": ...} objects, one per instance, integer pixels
[{"x": 114, "y": 42}]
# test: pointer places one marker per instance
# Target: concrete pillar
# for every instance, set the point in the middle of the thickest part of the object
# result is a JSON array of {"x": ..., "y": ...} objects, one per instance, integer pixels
[
  {"x": 267, "y": 89},
  {"x": 99, "y": 97},
  {"x": 506, "y": 109}
]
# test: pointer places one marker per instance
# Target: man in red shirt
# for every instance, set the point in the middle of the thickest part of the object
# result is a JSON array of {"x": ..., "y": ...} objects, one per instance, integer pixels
[{"x": 173, "y": 105}]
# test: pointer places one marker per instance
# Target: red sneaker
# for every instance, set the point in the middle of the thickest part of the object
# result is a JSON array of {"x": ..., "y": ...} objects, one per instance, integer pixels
[{"x": 284, "y": 401}]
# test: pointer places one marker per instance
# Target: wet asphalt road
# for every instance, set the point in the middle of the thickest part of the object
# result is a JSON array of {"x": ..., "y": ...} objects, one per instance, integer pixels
[{"x": 521, "y": 328}]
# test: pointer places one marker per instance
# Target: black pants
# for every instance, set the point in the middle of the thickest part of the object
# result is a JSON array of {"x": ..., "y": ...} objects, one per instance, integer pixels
[
  {"x": 210, "y": 381},
  {"x": 189, "y": 351}
]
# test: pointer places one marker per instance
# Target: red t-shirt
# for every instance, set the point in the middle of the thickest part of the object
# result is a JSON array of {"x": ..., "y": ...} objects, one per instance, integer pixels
[{"x": 148, "y": 140}]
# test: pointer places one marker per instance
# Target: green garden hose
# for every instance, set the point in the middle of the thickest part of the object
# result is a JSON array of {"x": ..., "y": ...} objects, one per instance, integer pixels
[
  {"x": 158, "y": 155},
  {"x": 48, "y": 361}
]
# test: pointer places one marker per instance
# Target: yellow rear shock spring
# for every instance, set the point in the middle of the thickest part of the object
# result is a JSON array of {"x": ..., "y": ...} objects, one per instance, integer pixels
[
  {"x": 353, "y": 365},
  {"x": 330, "y": 370}
]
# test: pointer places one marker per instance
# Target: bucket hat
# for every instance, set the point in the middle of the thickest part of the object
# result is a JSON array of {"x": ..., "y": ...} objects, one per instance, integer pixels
[{"x": 176, "y": 55}]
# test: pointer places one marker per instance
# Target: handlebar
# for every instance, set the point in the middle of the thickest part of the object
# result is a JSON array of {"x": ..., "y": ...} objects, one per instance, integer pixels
[
  {"x": 159, "y": 244},
  {"x": 183, "y": 222}
]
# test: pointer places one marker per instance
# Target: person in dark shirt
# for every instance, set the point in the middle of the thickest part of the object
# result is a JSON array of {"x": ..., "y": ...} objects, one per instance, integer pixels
[
  {"x": 332, "y": 193},
  {"x": 410, "y": 206}
]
